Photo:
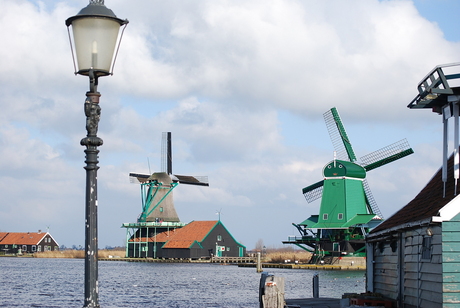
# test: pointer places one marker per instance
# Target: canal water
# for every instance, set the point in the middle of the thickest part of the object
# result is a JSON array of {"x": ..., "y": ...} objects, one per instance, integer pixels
[{"x": 30, "y": 282}]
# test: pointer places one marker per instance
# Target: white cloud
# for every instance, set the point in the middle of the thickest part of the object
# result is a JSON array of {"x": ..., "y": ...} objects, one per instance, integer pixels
[{"x": 230, "y": 79}]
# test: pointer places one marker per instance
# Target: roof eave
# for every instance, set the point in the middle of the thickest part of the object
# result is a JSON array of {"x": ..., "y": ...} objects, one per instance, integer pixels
[{"x": 420, "y": 223}]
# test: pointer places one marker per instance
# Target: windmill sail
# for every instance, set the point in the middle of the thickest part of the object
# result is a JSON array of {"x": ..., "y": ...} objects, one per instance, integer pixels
[
  {"x": 373, "y": 208},
  {"x": 190, "y": 180},
  {"x": 166, "y": 164},
  {"x": 339, "y": 137},
  {"x": 166, "y": 153},
  {"x": 386, "y": 155},
  {"x": 313, "y": 192}
]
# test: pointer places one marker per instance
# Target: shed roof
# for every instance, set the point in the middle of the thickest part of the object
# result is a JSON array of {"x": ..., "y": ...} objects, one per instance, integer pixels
[
  {"x": 2, "y": 235},
  {"x": 427, "y": 204},
  {"x": 186, "y": 236},
  {"x": 21, "y": 238}
]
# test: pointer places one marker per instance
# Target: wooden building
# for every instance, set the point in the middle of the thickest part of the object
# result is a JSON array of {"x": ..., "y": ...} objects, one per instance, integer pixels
[
  {"x": 413, "y": 257},
  {"x": 198, "y": 239},
  {"x": 26, "y": 242}
]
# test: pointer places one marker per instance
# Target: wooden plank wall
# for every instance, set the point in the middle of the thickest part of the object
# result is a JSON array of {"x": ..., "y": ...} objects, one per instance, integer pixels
[
  {"x": 385, "y": 269},
  {"x": 397, "y": 274},
  {"x": 422, "y": 277},
  {"x": 451, "y": 262}
]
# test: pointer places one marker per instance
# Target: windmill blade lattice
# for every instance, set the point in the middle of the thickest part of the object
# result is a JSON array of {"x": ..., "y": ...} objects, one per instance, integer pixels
[
  {"x": 386, "y": 155},
  {"x": 339, "y": 137},
  {"x": 313, "y": 192},
  {"x": 371, "y": 201}
]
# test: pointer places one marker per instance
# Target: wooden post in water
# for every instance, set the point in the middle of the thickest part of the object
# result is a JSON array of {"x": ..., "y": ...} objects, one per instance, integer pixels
[
  {"x": 259, "y": 264},
  {"x": 316, "y": 286},
  {"x": 273, "y": 296}
]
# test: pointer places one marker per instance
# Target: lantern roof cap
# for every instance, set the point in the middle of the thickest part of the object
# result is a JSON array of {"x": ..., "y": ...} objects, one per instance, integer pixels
[{"x": 96, "y": 8}]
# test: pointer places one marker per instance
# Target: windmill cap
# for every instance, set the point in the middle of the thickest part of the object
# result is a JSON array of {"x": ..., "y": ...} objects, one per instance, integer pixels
[{"x": 338, "y": 168}]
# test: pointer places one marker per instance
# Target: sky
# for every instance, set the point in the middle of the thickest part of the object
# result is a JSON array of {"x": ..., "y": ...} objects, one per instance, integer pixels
[{"x": 242, "y": 86}]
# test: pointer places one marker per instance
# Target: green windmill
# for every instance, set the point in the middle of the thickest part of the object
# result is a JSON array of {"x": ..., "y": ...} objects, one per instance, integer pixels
[
  {"x": 158, "y": 211},
  {"x": 348, "y": 210}
]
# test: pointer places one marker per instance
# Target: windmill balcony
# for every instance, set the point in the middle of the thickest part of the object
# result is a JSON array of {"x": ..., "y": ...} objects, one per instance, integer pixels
[
  {"x": 300, "y": 238},
  {"x": 153, "y": 224}
]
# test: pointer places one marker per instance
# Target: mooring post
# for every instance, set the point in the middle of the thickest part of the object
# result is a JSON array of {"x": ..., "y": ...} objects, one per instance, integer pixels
[
  {"x": 315, "y": 286},
  {"x": 259, "y": 264}
]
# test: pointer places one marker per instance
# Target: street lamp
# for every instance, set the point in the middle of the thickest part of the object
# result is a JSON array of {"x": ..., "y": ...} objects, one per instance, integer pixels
[{"x": 96, "y": 40}]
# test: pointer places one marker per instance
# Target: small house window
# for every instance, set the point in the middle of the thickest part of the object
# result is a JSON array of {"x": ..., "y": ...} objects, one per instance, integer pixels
[
  {"x": 325, "y": 216},
  {"x": 219, "y": 238},
  {"x": 24, "y": 248},
  {"x": 426, "y": 248},
  {"x": 340, "y": 216},
  {"x": 34, "y": 248},
  {"x": 228, "y": 248},
  {"x": 39, "y": 248}
]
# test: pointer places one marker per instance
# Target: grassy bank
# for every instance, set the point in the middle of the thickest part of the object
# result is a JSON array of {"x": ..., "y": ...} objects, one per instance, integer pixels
[
  {"x": 281, "y": 256},
  {"x": 79, "y": 254}
]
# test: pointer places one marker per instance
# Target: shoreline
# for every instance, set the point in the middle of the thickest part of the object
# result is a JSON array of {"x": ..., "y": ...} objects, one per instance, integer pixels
[{"x": 105, "y": 255}]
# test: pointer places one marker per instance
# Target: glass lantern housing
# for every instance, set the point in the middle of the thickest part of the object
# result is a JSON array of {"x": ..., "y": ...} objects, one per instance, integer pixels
[{"x": 95, "y": 34}]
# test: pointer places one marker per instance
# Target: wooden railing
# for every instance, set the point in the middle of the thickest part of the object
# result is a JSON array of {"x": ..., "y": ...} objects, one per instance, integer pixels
[{"x": 233, "y": 260}]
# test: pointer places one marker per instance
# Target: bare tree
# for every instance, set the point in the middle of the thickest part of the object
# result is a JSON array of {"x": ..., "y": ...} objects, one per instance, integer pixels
[{"x": 259, "y": 245}]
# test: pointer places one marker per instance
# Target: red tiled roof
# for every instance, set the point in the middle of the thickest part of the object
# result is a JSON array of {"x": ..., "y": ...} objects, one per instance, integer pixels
[
  {"x": 2, "y": 235},
  {"x": 427, "y": 203},
  {"x": 179, "y": 244},
  {"x": 165, "y": 236},
  {"x": 22, "y": 238},
  {"x": 186, "y": 236}
]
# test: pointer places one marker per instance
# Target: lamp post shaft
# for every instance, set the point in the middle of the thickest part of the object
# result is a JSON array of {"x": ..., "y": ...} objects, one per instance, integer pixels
[{"x": 91, "y": 141}]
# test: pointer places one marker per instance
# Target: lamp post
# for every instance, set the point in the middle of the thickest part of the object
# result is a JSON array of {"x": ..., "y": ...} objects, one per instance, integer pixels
[{"x": 96, "y": 39}]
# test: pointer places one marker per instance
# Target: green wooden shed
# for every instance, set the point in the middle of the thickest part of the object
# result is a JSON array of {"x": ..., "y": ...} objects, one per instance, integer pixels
[{"x": 413, "y": 257}]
